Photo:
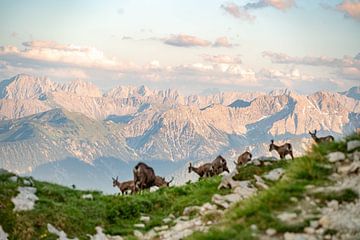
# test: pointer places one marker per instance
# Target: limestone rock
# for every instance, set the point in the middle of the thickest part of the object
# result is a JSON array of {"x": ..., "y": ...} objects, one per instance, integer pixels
[
  {"x": 270, "y": 232},
  {"x": 351, "y": 145},
  {"x": 298, "y": 236},
  {"x": 335, "y": 156},
  {"x": 260, "y": 183},
  {"x": 274, "y": 174},
  {"x": 61, "y": 234},
  {"x": 3, "y": 234},
  {"x": 191, "y": 210},
  {"x": 25, "y": 200},
  {"x": 286, "y": 216},
  {"x": 139, "y": 225},
  {"x": 145, "y": 219},
  {"x": 87, "y": 196}
]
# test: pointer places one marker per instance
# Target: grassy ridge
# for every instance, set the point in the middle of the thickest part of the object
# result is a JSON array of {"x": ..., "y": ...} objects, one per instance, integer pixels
[
  {"x": 66, "y": 210},
  {"x": 261, "y": 209}
]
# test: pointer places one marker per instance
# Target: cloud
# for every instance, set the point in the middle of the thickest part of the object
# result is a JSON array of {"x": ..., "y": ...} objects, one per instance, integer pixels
[
  {"x": 222, "y": 42},
  {"x": 346, "y": 67},
  {"x": 238, "y": 12},
  {"x": 351, "y": 8},
  {"x": 50, "y": 52},
  {"x": 221, "y": 59},
  {"x": 182, "y": 40}
]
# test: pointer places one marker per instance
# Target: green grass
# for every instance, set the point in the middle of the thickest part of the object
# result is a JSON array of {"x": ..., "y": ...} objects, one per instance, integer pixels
[
  {"x": 261, "y": 209},
  {"x": 346, "y": 195},
  {"x": 65, "y": 209}
]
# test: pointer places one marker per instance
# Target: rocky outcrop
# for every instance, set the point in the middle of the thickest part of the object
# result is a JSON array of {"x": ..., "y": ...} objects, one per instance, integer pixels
[{"x": 25, "y": 200}]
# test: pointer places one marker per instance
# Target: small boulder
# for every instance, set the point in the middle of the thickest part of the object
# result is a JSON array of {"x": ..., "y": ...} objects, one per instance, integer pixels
[
  {"x": 335, "y": 156},
  {"x": 274, "y": 174},
  {"x": 161, "y": 228},
  {"x": 167, "y": 220},
  {"x": 87, "y": 196},
  {"x": 138, "y": 234},
  {"x": 286, "y": 216},
  {"x": 139, "y": 225},
  {"x": 13, "y": 178},
  {"x": 191, "y": 210},
  {"x": 145, "y": 219},
  {"x": 260, "y": 183},
  {"x": 3, "y": 234},
  {"x": 351, "y": 145},
  {"x": 270, "y": 232}
]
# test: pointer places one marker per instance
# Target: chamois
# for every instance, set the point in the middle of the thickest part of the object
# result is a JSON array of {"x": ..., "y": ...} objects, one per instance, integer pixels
[
  {"x": 282, "y": 150},
  {"x": 161, "y": 182},
  {"x": 243, "y": 158},
  {"x": 202, "y": 171},
  {"x": 124, "y": 187},
  {"x": 144, "y": 176},
  {"x": 318, "y": 140},
  {"x": 218, "y": 166}
]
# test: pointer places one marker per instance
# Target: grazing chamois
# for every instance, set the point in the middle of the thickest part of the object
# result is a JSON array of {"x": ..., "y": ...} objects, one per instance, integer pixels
[
  {"x": 318, "y": 140},
  {"x": 124, "y": 187},
  {"x": 161, "y": 182},
  {"x": 203, "y": 170},
  {"x": 219, "y": 165},
  {"x": 243, "y": 158},
  {"x": 282, "y": 150},
  {"x": 144, "y": 176}
]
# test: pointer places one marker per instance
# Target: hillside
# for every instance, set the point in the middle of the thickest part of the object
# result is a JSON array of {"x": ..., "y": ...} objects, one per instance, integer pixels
[{"x": 313, "y": 191}]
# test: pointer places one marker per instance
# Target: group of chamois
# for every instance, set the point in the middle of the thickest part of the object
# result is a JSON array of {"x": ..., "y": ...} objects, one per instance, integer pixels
[{"x": 144, "y": 175}]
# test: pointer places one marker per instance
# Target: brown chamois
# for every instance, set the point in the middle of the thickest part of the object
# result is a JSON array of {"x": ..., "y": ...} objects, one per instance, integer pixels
[
  {"x": 282, "y": 150},
  {"x": 318, "y": 140},
  {"x": 202, "y": 171},
  {"x": 144, "y": 176},
  {"x": 243, "y": 158},
  {"x": 161, "y": 182},
  {"x": 218, "y": 166},
  {"x": 124, "y": 187}
]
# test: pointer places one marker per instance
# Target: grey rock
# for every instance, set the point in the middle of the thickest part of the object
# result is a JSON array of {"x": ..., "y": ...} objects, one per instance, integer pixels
[
  {"x": 350, "y": 168},
  {"x": 274, "y": 174},
  {"x": 138, "y": 234},
  {"x": 101, "y": 236},
  {"x": 351, "y": 145},
  {"x": 270, "y": 232},
  {"x": 25, "y": 200},
  {"x": 191, "y": 210},
  {"x": 61, "y": 234},
  {"x": 161, "y": 228},
  {"x": 309, "y": 230},
  {"x": 167, "y": 220},
  {"x": 13, "y": 178},
  {"x": 145, "y": 219},
  {"x": 3, "y": 234},
  {"x": 87, "y": 196},
  {"x": 260, "y": 183},
  {"x": 286, "y": 216},
  {"x": 314, "y": 224},
  {"x": 139, "y": 225},
  {"x": 335, "y": 156},
  {"x": 298, "y": 236}
]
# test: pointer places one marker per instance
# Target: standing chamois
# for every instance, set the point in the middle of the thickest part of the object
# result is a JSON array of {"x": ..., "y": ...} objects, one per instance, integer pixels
[
  {"x": 124, "y": 187},
  {"x": 161, "y": 182},
  {"x": 218, "y": 166},
  {"x": 318, "y": 140},
  {"x": 282, "y": 150},
  {"x": 144, "y": 176},
  {"x": 203, "y": 170},
  {"x": 243, "y": 158}
]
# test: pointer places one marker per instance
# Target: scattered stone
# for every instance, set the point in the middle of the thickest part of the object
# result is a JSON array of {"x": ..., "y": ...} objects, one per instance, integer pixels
[
  {"x": 171, "y": 216},
  {"x": 25, "y": 200},
  {"x": 260, "y": 183},
  {"x": 309, "y": 187},
  {"x": 138, "y": 234},
  {"x": 309, "y": 230},
  {"x": 184, "y": 218},
  {"x": 101, "y": 236},
  {"x": 161, "y": 228},
  {"x": 320, "y": 231},
  {"x": 149, "y": 235},
  {"x": 298, "y": 236},
  {"x": 351, "y": 145},
  {"x": 355, "y": 156},
  {"x": 354, "y": 167},
  {"x": 87, "y": 196},
  {"x": 219, "y": 200},
  {"x": 270, "y": 232},
  {"x": 286, "y": 216},
  {"x": 209, "y": 222},
  {"x": 13, "y": 178},
  {"x": 145, "y": 219},
  {"x": 61, "y": 234},
  {"x": 335, "y": 156},
  {"x": 314, "y": 224},
  {"x": 227, "y": 181},
  {"x": 28, "y": 182},
  {"x": 191, "y": 210},
  {"x": 324, "y": 221},
  {"x": 253, "y": 227},
  {"x": 256, "y": 162},
  {"x": 274, "y": 174},
  {"x": 207, "y": 207},
  {"x": 139, "y": 225},
  {"x": 333, "y": 204},
  {"x": 3, "y": 234},
  {"x": 294, "y": 199},
  {"x": 167, "y": 220}
]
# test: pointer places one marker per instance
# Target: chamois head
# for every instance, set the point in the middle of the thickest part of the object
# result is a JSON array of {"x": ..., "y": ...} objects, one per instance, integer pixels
[
  {"x": 272, "y": 145},
  {"x": 115, "y": 181},
  {"x": 190, "y": 168},
  {"x": 313, "y": 135}
]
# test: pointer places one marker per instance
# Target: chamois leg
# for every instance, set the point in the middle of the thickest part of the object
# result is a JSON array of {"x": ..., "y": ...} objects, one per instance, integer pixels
[
  {"x": 291, "y": 154},
  {"x": 282, "y": 156}
]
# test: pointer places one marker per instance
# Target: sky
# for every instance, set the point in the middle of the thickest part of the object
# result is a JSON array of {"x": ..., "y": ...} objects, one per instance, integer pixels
[{"x": 190, "y": 45}]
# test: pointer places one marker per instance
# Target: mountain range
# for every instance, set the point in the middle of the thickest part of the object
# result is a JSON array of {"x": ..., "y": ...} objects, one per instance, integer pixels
[{"x": 75, "y": 133}]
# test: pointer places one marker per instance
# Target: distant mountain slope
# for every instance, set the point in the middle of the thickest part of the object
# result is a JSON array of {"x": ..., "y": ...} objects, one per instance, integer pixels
[{"x": 45, "y": 122}]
